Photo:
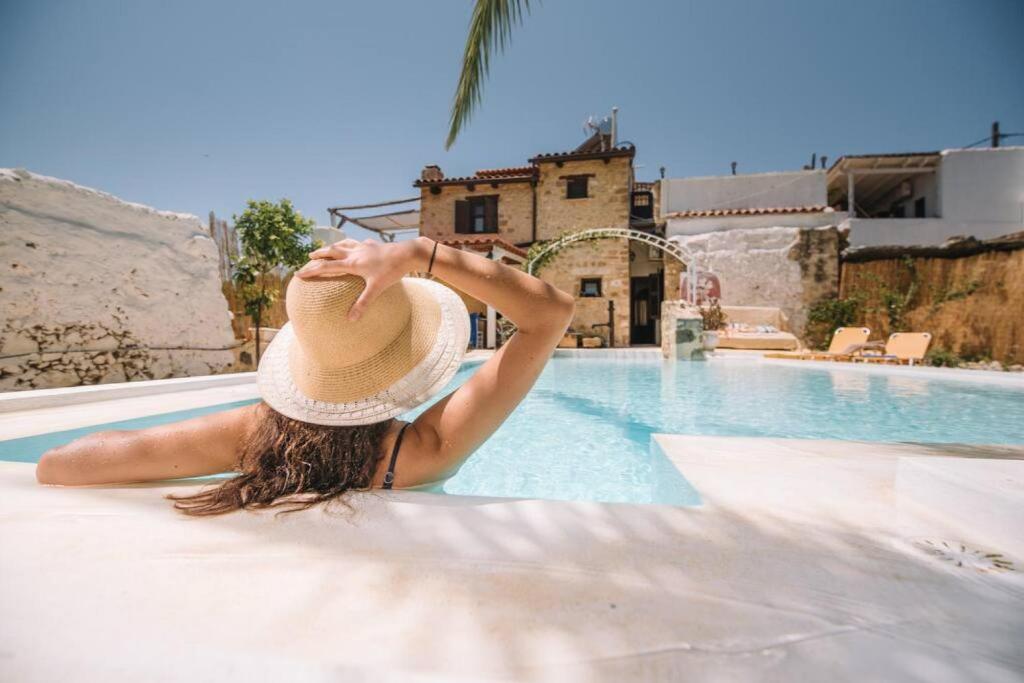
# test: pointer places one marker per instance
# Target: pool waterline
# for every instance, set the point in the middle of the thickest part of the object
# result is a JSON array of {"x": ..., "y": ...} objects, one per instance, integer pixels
[{"x": 584, "y": 432}]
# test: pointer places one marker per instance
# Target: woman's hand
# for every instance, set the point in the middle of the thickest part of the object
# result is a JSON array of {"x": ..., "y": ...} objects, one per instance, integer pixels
[{"x": 379, "y": 264}]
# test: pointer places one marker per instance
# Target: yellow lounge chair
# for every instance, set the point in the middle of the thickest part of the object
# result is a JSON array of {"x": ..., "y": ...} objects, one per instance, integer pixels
[
  {"x": 902, "y": 347},
  {"x": 845, "y": 342}
]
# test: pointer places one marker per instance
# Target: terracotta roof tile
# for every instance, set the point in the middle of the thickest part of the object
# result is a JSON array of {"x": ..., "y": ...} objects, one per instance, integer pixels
[
  {"x": 623, "y": 150},
  {"x": 505, "y": 172},
  {"x": 484, "y": 176},
  {"x": 759, "y": 211},
  {"x": 478, "y": 242}
]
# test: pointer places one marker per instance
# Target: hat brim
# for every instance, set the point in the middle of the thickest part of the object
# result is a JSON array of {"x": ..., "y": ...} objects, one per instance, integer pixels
[{"x": 428, "y": 377}]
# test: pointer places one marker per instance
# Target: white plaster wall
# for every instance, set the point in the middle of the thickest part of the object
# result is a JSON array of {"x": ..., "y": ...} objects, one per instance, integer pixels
[
  {"x": 695, "y": 226},
  {"x": 755, "y": 190},
  {"x": 753, "y": 266},
  {"x": 95, "y": 289},
  {"x": 983, "y": 185},
  {"x": 873, "y": 232},
  {"x": 640, "y": 263}
]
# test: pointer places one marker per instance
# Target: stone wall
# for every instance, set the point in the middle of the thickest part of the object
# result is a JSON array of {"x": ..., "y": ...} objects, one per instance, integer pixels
[
  {"x": 95, "y": 290},
  {"x": 790, "y": 268},
  {"x": 971, "y": 303},
  {"x": 515, "y": 209},
  {"x": 607, "y": 203},
  {"x": 607, "y": 259}
]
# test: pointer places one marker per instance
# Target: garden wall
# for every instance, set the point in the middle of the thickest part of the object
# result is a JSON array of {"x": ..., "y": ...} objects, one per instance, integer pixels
[
  {"x": 969, "y": 294},
  {"x": 785, "y": 267},
  {"x": 94, "y": 289}
]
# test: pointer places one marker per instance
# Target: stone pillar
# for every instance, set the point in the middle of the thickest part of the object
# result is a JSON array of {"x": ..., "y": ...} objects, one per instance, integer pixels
[{"x": 681, "y": 328}]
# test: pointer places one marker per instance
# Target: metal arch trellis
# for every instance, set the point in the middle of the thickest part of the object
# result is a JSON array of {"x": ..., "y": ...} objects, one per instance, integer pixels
[{"x": 673, "y": 249}]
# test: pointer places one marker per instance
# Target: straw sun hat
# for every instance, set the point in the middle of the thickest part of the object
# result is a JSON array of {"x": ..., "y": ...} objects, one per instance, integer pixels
[{"x": 324, "y": 369}]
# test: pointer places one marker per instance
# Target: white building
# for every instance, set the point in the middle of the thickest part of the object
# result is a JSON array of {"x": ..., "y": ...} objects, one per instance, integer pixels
[
  {"x": 693, "y": 206},
  {"x": 928, "y": 197},
  {"x": 898, "y": 199}
]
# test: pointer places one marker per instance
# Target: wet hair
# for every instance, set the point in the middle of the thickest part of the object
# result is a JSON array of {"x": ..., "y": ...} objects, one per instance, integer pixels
[{"x": 293, "y": 465}]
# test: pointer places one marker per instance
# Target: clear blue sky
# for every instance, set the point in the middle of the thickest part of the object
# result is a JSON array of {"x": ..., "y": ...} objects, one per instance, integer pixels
[{"x": 192, "y": 106}]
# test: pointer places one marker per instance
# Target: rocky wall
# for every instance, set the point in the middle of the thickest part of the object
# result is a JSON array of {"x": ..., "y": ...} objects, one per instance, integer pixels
[
  {"x": 786, "y": 267},
  {"x": 94, "y": 289}
]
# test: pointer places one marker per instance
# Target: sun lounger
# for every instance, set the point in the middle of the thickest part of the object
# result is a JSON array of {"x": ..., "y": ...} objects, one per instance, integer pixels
[
  {"x": 757, "y": 340},
  {"x": 902, "y": 347},
  {"x": 846, "y": 341},
  {"x": 762, "y": 337}
]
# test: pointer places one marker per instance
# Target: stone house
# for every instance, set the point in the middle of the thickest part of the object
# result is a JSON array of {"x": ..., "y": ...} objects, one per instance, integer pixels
[{"x": 618, "y": 283}]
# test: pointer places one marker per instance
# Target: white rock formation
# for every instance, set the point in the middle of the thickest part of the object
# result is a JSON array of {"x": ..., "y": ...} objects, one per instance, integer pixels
[
  {"x": 95, "y": 289},
  {"x": 784, "y": 267}
]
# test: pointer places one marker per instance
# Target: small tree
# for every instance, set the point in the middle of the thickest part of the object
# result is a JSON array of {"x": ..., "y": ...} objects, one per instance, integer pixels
[{"x": 272, "y": 236}]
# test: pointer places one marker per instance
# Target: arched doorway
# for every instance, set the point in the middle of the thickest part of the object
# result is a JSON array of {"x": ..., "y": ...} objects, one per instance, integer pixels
[{"x": 646, "y": 278}]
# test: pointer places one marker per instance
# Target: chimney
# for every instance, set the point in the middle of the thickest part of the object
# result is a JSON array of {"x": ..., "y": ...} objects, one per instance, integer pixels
[
  {"x": 431, "y": 173},
  {"x": 823, "y": 158},
  {"x": 615, "y": 126},
  {"x": 995, "y": 134}
]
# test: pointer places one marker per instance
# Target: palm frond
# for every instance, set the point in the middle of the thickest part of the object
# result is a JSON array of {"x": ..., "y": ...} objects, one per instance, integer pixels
[{"x": 490, "y": 28}]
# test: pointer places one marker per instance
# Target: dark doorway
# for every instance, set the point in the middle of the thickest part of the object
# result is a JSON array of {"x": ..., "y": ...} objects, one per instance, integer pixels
[{"x": 645, "y": 307}]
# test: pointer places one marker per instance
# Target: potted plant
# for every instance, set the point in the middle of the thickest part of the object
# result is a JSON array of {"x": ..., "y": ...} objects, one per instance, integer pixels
[{"x": 713, "y": 320}]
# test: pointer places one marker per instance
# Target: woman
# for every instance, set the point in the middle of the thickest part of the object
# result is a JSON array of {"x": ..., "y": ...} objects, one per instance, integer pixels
[{"x": 363, "y": 345}]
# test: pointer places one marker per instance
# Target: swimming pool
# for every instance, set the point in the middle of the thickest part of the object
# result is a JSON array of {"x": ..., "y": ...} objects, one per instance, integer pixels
[{"x": 584, "y": 431}]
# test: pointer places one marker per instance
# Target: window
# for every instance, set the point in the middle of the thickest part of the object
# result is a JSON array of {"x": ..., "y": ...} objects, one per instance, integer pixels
[
  {"x": 643, "y": 205},
  {"x": 576, "y": 187},
  {"x": 919, "y": 208},
  {"x": 477, "y": 214},
  {"x": 590, "y": 287}
]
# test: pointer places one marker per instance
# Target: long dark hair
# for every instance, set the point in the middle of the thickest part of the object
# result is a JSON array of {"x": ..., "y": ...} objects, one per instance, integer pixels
[{"x": 293, "y": 465}]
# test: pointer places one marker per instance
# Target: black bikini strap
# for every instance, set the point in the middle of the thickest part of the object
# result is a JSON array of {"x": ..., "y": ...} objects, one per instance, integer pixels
[{"x": 389, "y": 476}]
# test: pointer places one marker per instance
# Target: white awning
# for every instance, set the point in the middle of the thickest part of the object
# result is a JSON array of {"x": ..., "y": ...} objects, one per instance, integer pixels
[{"x": 387, "y": 225}]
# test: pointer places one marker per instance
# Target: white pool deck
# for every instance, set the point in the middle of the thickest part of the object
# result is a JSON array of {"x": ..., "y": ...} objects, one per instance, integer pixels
[{"x": 808, "y": 560}]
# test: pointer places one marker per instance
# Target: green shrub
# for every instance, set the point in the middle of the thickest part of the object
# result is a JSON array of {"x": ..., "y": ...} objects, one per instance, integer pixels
[
  {"x": 826, "y": 315},
  {"x": 712, "y": 315},
  {"x": 941, "y": 358}
]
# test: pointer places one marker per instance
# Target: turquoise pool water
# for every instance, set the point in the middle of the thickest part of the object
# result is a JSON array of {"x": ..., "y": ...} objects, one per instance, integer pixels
[{"x": 584, "y": 431}]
